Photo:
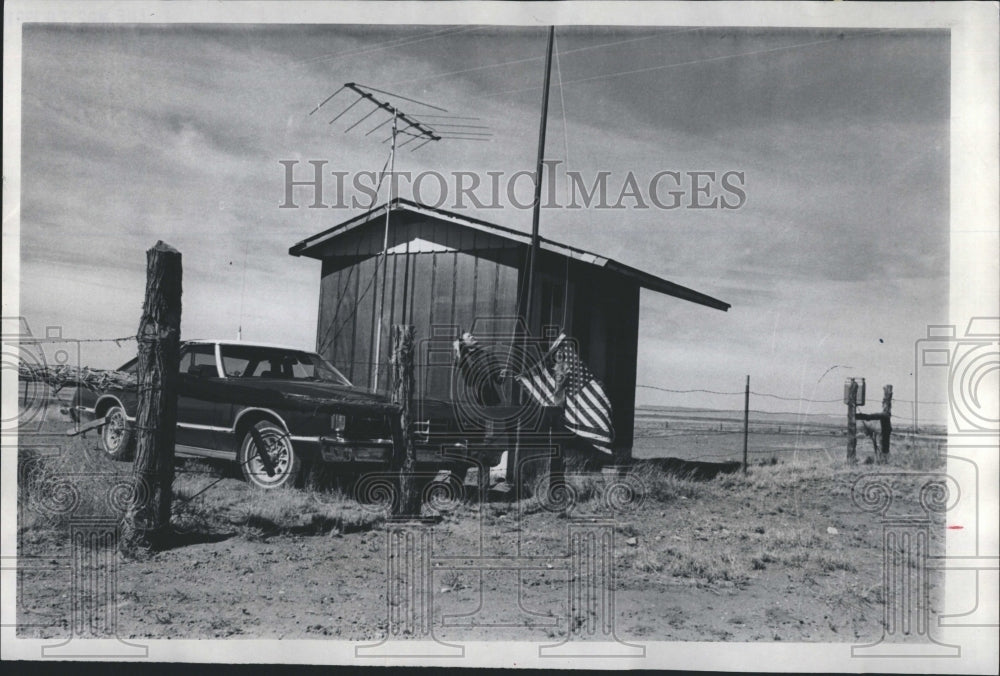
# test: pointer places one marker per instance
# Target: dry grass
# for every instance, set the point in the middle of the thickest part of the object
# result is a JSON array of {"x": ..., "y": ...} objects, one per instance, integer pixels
[
  {"x": 919, "y": 456},
  {"x": 231, "y": 502},
  {"x": 776, "y": 520},
  {"x": 209, "y": 500},
  {"x": 54, "y": 487},
  {"x": 56, "y": 484},
  {"x": 662, "y": 486}
]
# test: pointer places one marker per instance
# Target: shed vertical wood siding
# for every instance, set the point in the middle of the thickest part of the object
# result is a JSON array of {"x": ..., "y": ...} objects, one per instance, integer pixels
[
  {"x": 446, "y": 276},
  {"x": 439, "y": 292}
]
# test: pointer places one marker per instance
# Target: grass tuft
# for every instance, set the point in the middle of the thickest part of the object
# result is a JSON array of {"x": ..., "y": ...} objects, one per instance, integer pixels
[
  {"x": 662, "y": 486},
  {"x": 920, "y": 457}
]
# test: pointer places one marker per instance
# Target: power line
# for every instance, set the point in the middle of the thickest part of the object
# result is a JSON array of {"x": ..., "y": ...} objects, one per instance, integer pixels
[
  {"x": 539, "y": 58},
  {"x": 623, "y": 42},
  {"x": 400, "y": 42},
  {"x": 688, "y": 63},
  {"x": 467, "y": 70}
]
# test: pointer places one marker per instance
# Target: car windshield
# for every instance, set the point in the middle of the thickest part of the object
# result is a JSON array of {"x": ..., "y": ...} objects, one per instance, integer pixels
[{"x": 249, "y": 361}]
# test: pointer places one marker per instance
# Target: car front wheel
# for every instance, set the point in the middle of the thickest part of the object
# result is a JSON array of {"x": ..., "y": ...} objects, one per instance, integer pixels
[
  {"x": 116, "y": 434},
  {"x": 285, "y": 462}
]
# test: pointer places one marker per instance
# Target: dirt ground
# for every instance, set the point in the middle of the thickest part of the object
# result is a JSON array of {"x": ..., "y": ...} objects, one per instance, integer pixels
[{"x": 783, "y": 554}]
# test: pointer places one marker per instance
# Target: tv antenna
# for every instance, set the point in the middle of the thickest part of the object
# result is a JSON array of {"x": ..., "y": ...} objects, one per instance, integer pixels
[{"x": 417, "y": 130}]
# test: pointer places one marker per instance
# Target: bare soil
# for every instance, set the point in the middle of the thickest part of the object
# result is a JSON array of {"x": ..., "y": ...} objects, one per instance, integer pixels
[{"x": 782, "y": 554}]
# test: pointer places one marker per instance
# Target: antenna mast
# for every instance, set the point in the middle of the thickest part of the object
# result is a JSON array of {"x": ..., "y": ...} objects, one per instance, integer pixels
[
  {"x": 385, "y": 250},
  {"x": 418, "y": 130}
]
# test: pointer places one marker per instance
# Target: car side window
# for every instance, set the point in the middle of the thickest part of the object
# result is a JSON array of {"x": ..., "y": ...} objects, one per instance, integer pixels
[
  {"x": 236, "y": 367},
  {"x": 185, "y": 363},
  {"x": 200, "y": 360}
]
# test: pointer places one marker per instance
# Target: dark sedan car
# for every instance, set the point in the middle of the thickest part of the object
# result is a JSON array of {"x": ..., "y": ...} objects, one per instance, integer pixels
[{"x": 218, "y": 427}]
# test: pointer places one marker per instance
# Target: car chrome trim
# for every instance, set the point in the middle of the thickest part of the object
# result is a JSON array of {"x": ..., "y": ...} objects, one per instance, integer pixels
[
  {"x": 210, "y": 428},
  {"x": 199, "y": 452},
  {"x": 218, "y": 361},
  {"x": 309, "y": 440}
]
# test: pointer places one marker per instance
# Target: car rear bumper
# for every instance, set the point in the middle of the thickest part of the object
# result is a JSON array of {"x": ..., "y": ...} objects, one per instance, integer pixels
[{"x": 338, "y": 450}]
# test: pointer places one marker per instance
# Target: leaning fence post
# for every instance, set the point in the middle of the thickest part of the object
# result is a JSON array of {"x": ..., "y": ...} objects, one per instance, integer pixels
[
  {"x": 886, "y": 420},
  {"x": 147, "y": 518},
  {"x": 852, "y": 425},
  {"x": 403, "y": 454}
]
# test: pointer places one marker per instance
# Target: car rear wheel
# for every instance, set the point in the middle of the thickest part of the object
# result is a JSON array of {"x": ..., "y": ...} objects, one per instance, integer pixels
[
  {"x": 116, "y": 434},
  {"x": 285, "y": 462}
]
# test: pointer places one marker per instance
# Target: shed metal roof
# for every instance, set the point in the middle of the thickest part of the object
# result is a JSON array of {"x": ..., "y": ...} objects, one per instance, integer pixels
[{"x": 311, "y": 247}]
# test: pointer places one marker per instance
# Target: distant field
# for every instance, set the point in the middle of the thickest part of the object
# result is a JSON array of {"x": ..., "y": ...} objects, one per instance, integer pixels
[{"x": 707, "y": 435}]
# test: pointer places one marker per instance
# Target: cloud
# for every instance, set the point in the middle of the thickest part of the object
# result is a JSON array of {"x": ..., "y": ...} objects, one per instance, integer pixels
[{"x": 138, "y": 133}]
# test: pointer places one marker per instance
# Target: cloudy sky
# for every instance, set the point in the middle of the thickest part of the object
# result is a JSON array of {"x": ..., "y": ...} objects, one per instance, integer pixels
[{"x": 839, "y": 257}]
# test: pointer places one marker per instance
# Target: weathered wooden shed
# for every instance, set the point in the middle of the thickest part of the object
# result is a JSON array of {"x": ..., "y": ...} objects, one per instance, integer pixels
[{"x": 446, "y": 270}]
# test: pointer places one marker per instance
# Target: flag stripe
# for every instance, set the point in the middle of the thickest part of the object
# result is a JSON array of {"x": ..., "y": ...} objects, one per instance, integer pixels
[
  {"x": 596, "y": 395},
  {"x": 590, "y": 435},
  {"x": 586, "y": 406},
  {"x": 537, "y": 391},
  {"x": 575, "y": 415},
  {"x": 594, "y": 416},
  {"x": 601, "y": 411},
  {"x": 579, "y": 421}
]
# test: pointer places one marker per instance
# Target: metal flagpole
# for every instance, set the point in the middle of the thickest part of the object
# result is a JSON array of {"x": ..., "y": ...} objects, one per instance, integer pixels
[
  {"x": 513, "y": 469},
  {"x": 536, "y": 206},
  {"x": 385, "y": 255}
]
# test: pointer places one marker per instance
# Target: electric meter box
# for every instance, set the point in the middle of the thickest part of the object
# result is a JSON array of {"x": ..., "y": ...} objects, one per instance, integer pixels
[{"x": 860, "y": 399}]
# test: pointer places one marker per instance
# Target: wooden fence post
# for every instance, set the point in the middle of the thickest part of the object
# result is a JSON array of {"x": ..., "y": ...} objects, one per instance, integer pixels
[
  {"x": 147, "y": 519},
  {"x": 886, "y": 420},
  {"x": 852, "y": 425},
  {"x": 403, "y": 453},
  {"x": 746, "y": 424}
]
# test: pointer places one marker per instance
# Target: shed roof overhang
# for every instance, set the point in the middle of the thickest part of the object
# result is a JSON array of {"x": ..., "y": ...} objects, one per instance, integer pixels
[{"x": 315, "y": 247}]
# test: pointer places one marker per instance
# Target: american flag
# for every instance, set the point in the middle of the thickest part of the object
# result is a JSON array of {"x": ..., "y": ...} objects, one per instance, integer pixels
[{"x": 570, "y": 384}]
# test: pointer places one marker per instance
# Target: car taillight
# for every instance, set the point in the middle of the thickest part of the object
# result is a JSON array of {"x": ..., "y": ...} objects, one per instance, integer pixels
[{"x": 338, "y": 421}]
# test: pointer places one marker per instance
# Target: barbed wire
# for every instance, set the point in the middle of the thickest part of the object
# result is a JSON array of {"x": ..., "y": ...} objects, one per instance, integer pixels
[
  {"x": 667, "y": 389},
  {"x": 35, "y": 341},
  {"x": 344, "y": 364},
  {"x": 812, "y": 401}
]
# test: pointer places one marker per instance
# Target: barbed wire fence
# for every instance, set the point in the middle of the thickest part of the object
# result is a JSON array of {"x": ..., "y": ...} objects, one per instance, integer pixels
[
  {"x": 695, "y": 431},
  {"x": 679, "y": 423}
]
